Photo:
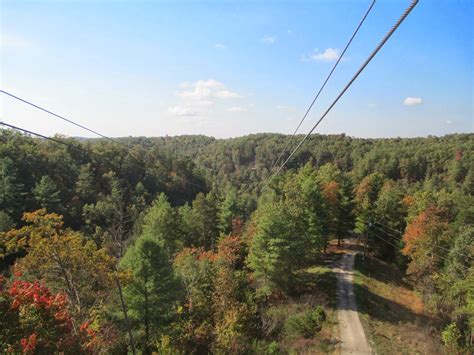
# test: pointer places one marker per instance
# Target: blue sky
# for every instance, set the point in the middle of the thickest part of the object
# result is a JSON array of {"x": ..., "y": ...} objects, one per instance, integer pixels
[{"x": 230, "y": 68}]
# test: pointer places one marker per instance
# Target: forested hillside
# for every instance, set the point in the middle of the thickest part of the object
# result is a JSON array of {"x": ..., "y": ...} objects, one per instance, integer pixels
[{"x": 178, "y": 245}]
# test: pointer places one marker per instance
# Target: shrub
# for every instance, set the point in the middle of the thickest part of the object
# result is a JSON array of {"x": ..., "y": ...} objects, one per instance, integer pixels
[
  {"x": 305, "y": 324},
  {"x": 451, "y": 336}
]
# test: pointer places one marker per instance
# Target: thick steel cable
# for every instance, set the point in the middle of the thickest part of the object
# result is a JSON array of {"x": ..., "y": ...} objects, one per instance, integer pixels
[
  {"x": 62, "y": 118},
  {"x": 84, "y": 150},
  {"x": 44, "y": 137},
  {"x": 367, "y": 61},
  {"x": 323, "y": 86}
]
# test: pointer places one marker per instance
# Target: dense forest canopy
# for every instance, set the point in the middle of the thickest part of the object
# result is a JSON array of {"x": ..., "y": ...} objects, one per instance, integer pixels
[{"x": 177, "y": 244}]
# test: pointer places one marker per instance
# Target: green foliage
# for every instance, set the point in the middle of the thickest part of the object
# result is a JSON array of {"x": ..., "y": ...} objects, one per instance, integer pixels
[
  {"x": 162, "y": 223},
  {"x": 187, "y": 197},
  {"x": 451, "y": 336},
  {"x": 6, "y": 222},
  {"x": 305, "y": 324},
  {"x": 10, "y": 187},
  {"x": 152, "y": 292},
  {"x": 204, "y": 221},
  {"x": 47, "y": 194}
]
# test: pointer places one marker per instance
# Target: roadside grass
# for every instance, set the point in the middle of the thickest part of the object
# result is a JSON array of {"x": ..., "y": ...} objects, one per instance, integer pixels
[
  {"x": 391, "y": 313},
  {"x": 306, "y": 323}
]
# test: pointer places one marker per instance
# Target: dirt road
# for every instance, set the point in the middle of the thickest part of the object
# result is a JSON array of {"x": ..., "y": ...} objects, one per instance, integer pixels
[{"x": 352, "y": 336}]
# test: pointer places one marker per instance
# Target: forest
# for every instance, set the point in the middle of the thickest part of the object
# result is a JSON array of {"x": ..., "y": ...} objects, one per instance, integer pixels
[{"x": 188, "y": 244}]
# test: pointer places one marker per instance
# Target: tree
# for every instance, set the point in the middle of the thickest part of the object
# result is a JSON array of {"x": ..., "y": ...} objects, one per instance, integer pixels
[
  {"x": 35, "y": 320},
  {"x": 204, "y": 221},
  {"x": 64, "y": 259},
  {"x": 274, "y": 252},
  {"x": 421, "y": 237},
  {"x": 10, "y": 188},
  {"x": 86, "y": 187},
  {"x": 6, "y": 222},
  {"x": 162, "y": 222},
  {"x": 366, "y": 194},
  {"x": 389, "y": 221},
  {"x": 152, "y": 291},
  {"x": 47, "y": 194},
  {"x": 229, "y": 209}
]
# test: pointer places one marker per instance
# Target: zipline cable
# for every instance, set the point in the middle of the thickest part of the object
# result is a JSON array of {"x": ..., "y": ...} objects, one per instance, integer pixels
[
  {"x": 323, "y": 85},
  {"x": 83, "y": 150},
  {"x": 356, "y": 75},
  {"x": 62, "y": 117}
]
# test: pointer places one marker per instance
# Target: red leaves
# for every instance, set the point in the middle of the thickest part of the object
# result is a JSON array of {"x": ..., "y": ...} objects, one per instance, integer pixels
[
  {"x": 43, "y": 321},
  {"x": 28, "y": 346}
]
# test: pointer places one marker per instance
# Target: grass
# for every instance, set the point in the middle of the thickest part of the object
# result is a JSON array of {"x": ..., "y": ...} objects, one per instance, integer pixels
[
  {"x": 392, "y": 313},
  {"x": 291, "y": 322}
]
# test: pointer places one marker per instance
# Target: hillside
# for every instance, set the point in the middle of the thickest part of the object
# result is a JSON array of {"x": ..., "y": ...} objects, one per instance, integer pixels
[{"x": 179, "y": 245}]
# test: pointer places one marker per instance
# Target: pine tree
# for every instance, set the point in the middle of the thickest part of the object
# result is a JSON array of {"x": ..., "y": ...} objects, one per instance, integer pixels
[
  {"x": 47, "y": 194},
  {"x": 10, "y": 188},
  {"x": 152, "y": 291},
  {"x": 162, "y": 223}
]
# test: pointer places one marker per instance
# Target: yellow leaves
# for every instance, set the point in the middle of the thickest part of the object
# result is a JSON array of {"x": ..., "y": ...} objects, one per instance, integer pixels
[
  {"x": 65, "y": 259},
  {"x": 42, "y": 225}
]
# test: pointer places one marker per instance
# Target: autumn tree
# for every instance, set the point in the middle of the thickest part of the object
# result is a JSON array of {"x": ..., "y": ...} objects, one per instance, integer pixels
[
  {"x": 64, "y": 259},
  {"x": 421, "y": 238},
  {"x": 33, "y": 319}
]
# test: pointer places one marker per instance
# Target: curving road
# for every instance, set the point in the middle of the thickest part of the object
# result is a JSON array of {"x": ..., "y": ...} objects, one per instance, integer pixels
[{"x": 352, "y": 336}]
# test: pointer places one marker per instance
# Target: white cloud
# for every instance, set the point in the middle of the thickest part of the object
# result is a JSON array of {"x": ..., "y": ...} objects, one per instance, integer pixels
[
  {"x": 412, "y": 101},
  {"x": 285, "y": 108},
  {"x": 372, "y": 105},
  {"x": 226, "y": 94},
  {"x": 182, "y": 111},
  {"x": 449, "y": 122},
  {"x": 9, "y": 41},
  {"x": 198, "y": 97},
  {"x": 329, "y": 55},
  {"x": 268, "y": 39},
  {"x": 220, "y": 46},
  {"x": 237, "y": 109}
]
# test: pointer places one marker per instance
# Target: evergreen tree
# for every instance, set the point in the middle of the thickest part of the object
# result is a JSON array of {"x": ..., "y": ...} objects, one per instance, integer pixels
[
  {"x": 86, "y": 187},
  {"x": 47, "y": 194},
  {"x": 228, "y": 210},
  {"x": 204, "y": 221},
  {"x": 162, "y": 223},
  {"x": 10, "y": 188},
  {"x": 152, "y": 291}
]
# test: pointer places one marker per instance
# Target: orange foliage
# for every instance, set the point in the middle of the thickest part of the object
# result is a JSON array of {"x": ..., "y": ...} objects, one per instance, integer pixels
[
  {"x": 331, "y": 192},
  {"x": 408, "y": 200},
  {"x": 426, "y": 226}
]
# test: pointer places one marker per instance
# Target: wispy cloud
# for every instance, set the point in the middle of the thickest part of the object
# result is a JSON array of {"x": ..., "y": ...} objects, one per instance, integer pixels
[
  {"x": 328, "y": 55},
  {"x": 220, "y": 46},
  {"x": 285, "y": 108},
  {"x": 372, "y": 105},
  {"x": 11, "y": 41},
  {"x": 237, "y": 109},
  {"x": 182, "y": 111},
  {"x": 449, "y": 122},
  {"x": 412, "y": 101},
  {"x": 197, "y": 98},
  {"x": 268, "y": 39}
]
